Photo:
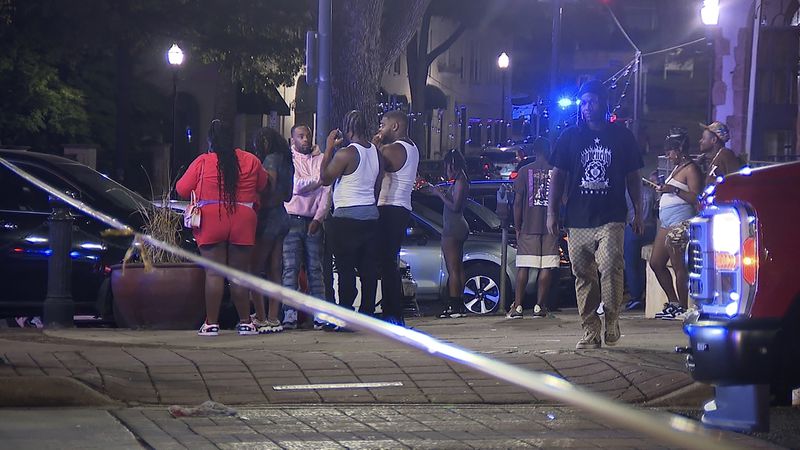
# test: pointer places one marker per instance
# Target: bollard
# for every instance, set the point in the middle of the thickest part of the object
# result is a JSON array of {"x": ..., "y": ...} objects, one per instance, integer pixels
[{"x": 59, "y": 308}]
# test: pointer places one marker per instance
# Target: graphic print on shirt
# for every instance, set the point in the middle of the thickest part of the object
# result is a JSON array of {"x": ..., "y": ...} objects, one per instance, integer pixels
[
  {"x": 596, "y": 161},
  {"x": 538, "y": 187}
]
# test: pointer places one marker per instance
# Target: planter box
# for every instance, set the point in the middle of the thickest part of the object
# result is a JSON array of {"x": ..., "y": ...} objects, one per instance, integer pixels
[{"x": 169, "y": 297}]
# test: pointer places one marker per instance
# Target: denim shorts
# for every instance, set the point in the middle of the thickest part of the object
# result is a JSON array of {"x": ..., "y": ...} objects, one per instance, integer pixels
[{"x": 672, "y": 215}]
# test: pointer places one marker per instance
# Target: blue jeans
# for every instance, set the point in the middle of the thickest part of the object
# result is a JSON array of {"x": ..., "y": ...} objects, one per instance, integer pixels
[
  {"x": 634, "y": 265},
  {"x": 301, "y": 250}
]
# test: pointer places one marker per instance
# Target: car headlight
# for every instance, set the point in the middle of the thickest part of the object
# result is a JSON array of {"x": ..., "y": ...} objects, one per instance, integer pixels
[{"x": 726, "y": 233}]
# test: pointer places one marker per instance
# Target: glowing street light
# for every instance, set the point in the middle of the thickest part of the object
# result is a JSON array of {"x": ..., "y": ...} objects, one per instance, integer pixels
[
  {"x": 175, "y": 59},
  {"x": 503, "y": 61},
  {"x": 709, "y": 13},
  {"x": 175, "y": 55}
]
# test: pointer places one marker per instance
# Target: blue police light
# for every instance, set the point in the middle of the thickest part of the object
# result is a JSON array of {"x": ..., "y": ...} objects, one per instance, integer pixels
[
  {"x": 565, "y": 102},
  {"x": 746, "y": 171}
]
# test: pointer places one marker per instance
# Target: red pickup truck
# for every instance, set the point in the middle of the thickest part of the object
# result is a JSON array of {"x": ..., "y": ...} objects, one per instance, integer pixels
[{"x": 745, "y": 280}]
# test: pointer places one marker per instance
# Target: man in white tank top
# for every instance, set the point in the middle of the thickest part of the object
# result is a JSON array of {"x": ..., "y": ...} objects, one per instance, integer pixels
[
  {"x": 356, "y": 170},
  {"x": 400, "y": 159}
]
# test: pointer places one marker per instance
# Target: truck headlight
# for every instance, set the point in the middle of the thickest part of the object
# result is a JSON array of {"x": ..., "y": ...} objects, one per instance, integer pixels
[{"x": 726, "y": 233}]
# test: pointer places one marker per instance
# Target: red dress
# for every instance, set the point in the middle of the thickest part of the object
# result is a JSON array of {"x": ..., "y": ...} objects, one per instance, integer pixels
[{"x": 216, "y": 223}]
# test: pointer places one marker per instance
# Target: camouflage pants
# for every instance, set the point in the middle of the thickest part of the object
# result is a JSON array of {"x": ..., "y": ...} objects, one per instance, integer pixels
[{"x": 598, "y": 263}]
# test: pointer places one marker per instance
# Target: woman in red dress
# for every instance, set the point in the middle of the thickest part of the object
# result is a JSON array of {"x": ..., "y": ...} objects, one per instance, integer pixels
[{"x": 227, "y": 183}]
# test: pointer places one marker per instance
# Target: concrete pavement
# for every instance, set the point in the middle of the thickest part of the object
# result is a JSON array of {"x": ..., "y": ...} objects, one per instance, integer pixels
[
  {"x": 178, "y": 367},
  {"x": 327, "y": 427}
]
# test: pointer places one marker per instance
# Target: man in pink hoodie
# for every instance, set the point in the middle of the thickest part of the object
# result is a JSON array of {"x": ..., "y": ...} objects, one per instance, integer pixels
[{"x": 309, "y": 204}]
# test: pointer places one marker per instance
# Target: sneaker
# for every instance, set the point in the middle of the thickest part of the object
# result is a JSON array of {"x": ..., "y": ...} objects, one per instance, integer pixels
[
  {"x": 634, "y": 305},
  {"x": 318, "y": 325},
  {"x": 451, "y": 313},
  {"x": 290, "y": 319},
  {"x": 540, "y": 312},
  {"x": 270, "y": 326},
  {"x": 672, "y": 312},
  {"x": 246, "y": 329},
  {"x": 589, "y": 341},
  {"x": 612, "y": 334},
  {"x": 515, "y": 313},
  {"x": 600, "y": 310},
  {"x": 256, "y": 322},
  {"x": 679, "y": 313},
  {"x": 668, "y": 311},
  {"x": 207, "y": 329}
]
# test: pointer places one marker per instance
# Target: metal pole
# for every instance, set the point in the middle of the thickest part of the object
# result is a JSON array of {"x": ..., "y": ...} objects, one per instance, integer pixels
[
  {"x": 637, "y": 66},
  {"x": 751, "y": 92},
  {"x": 710, "y": 53},
  {"x": 174, "y": 149},
  {"x": 505, "y": 213},
  {"x": 324, "y": 85},
  {"x": 463, "y": 121},
  {"x": 554, "y": 63},
  {"x": 503, "y": 109},
  {"x": 59, "y": 309}
]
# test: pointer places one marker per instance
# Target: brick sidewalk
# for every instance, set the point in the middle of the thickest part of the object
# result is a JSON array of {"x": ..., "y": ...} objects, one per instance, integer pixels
[
  {"x": 141, "y": 368},
  {"x": 396, "y": 426}
]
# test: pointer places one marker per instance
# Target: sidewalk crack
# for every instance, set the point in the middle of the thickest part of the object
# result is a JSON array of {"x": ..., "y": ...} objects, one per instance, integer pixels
[
  {"x": 197, "y": 368},
  {"x": 624, "y": 377},
  {"x": 149, "y": 375},
  {"x": 250, "y": 371}
]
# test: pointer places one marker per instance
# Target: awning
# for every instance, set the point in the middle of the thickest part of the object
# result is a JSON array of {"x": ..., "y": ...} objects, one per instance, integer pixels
[{"x": 261, "y": 102}]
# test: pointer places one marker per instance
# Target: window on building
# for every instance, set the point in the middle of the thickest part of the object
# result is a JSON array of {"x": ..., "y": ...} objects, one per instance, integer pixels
[
  {"x": 395, "y": 69},
  {"x": 474, "y": 64},
  {"x": 474, "y": 131}
]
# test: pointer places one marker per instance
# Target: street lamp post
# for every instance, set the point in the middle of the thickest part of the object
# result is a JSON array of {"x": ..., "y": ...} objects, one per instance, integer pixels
[
  {"x": 502, "y": 62},
  {"x": 175, "y": 58},
  {"x": 709, "y": 14}
]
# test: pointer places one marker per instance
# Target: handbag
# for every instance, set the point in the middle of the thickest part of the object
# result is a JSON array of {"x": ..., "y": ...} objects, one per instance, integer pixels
[{"x": 191, "y": 215}]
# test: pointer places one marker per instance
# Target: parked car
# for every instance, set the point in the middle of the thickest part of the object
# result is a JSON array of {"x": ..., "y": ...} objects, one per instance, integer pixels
[
  {"x": 502, "y": 160},
  {"x": 482, "y": 256},
  {"x": 431, "y": 170},
  {"x": 484, "y": 192},
  {"x": 745, "y": 282},
  {"x": 24, "y": 248}
]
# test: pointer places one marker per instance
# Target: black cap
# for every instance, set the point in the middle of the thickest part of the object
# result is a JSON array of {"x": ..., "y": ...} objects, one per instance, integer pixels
[{"x": 594, "y": 86}]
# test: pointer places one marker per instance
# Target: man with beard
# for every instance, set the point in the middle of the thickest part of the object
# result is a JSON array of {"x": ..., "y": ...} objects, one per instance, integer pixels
[
  {"x": 717, "y": 160},
  {"x": 309, "y": 205},
  {"x": 401, "y": 158},
  {"x": 595, "y": 162}
]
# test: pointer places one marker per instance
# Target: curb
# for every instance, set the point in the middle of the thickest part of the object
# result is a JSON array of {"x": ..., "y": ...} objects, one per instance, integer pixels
[
  {"x": 693, "y": 395},
  {"x": 36, "y": 391}
]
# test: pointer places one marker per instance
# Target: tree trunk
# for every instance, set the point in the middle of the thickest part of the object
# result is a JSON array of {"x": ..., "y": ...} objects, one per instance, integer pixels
[
  {"x": 365, "y": 42},
  {"x": 416, "y": 58}
]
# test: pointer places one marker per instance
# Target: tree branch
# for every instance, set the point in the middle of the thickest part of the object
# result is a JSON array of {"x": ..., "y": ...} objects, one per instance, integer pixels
[
  {"x": 445, "y": 45},
  {"x": 399, "y": 28}
]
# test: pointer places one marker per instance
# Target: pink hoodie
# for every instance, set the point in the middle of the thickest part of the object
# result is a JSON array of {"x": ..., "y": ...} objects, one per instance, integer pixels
[{"x": 309, "y": 198}]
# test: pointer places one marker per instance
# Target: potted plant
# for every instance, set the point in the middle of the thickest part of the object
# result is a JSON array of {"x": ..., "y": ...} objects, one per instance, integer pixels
[{"x": 153, "y": 288}]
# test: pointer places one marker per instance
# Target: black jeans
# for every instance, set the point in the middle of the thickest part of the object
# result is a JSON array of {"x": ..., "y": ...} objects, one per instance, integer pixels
[
  {"x": 354, "y": 247},
  {"x": 392, "y": 226}
]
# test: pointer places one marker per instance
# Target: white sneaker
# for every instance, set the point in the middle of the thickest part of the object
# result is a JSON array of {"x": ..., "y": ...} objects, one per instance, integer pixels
[
  {"x": 208, "y": 329},
  {"x": 270, "y": 326},
  {"x": 246, "y": 329},
  {"x": 290, "y": 319},
  {"x": 515, "y": 313}
]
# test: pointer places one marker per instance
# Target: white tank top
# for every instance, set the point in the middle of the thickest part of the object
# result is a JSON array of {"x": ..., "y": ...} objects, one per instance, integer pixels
[
  {"x": 668, "y": 198},
  {"x": 358, "y": 188},
  {"x": 397, "y": 186}
]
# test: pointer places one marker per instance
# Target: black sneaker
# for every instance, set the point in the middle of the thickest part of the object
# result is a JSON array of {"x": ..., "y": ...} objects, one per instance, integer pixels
[
  {"x": 670, "y": 311},
  {"x": 540, "y": 312}
]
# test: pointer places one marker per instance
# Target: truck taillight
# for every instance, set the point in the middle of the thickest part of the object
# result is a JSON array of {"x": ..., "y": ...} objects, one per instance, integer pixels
[{"x": 749, "y": 261}]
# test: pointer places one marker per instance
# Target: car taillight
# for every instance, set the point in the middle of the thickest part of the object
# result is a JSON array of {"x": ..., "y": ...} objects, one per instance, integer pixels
[
  {"x": 513, "y": 175},
  {"x": 725, "y": 261},
  {"x": 749, "y": 261}
]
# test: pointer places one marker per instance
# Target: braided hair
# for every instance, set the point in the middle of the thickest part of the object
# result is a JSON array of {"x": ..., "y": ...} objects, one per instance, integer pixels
[
  {"x": 354, "y": 122},
  {"x": 220, "y": 142},
  {"x": 678, "y": 138}
]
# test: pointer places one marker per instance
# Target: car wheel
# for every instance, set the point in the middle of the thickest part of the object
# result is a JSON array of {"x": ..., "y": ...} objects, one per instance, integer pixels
[{"x": 482, "y": 288}]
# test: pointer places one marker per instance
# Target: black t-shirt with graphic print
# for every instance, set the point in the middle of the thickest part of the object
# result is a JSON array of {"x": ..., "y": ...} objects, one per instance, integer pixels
[{"x": 596, "y": 162}]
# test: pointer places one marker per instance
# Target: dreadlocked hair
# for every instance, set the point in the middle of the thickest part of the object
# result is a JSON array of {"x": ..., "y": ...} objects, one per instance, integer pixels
[
  {"x": 354, "y": 122},
  {"x": 455, "y": 159},
  {"x": 220, "y": 142}
]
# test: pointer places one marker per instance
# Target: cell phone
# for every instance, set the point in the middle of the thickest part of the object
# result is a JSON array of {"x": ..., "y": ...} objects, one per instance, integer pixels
[{"x": 649, "y": 183}]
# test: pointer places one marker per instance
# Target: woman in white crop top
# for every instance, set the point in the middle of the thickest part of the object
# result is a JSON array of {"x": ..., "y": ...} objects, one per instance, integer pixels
[{"x": 678, "y": 199}]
